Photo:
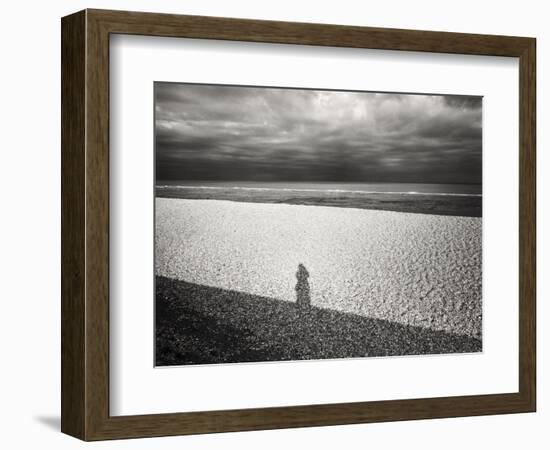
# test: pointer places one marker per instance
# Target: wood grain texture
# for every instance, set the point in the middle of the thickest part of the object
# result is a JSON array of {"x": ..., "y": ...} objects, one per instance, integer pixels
[
  {"x": 73, "y": 227},
  {"x": 97, "y": 225},
  {"x": 151, "y": 24},
  {"x": 85, "y": 224},
  {"x": 527, "y": 224}
]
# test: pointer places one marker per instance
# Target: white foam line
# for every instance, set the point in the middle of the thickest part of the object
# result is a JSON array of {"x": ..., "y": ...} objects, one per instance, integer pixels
[{"x": 316, "y": 190}]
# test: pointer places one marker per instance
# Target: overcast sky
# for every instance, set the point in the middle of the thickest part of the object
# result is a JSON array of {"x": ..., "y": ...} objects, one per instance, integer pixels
[{"x": 207, "y": 132}]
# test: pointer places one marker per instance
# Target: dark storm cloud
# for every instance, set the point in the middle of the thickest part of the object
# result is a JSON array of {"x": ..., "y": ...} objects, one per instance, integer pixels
[
  {"x": 208, "y": 132},
  {"x": 462, "y": 101}
]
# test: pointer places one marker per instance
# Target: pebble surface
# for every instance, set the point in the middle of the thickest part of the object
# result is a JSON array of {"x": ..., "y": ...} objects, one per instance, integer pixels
[{"x": 414, "y": 269}]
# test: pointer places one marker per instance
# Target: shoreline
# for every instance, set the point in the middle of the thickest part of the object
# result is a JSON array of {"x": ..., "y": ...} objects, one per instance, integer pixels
[{"x": 418, "y": 203}]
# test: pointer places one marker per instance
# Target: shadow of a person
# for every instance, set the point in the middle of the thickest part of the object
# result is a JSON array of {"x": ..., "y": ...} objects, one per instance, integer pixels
[{"x": 303, "y": 297}]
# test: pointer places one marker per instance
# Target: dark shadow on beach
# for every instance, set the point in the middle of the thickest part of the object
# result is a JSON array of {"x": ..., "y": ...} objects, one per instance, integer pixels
[
  {"x": 198, "y": 324},
  {"x": 303, "y": 297}
]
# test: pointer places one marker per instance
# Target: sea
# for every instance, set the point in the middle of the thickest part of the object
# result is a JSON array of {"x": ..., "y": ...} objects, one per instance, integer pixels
[{"x": 461, "y": 190}]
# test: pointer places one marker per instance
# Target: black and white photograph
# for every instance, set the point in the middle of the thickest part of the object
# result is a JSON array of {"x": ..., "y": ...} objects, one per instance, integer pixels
[{"x": 309, "y": 224}]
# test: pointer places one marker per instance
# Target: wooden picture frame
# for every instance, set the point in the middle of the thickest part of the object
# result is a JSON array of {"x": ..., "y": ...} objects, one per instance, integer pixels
[{"x": 85, "y": 224}]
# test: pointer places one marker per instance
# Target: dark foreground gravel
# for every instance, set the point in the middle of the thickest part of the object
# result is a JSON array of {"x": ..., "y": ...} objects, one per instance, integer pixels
[{"x": 198, "y": 324}]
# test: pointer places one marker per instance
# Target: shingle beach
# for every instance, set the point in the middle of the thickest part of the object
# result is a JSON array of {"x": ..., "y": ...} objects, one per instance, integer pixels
[{"x": 416, "y": 270}]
